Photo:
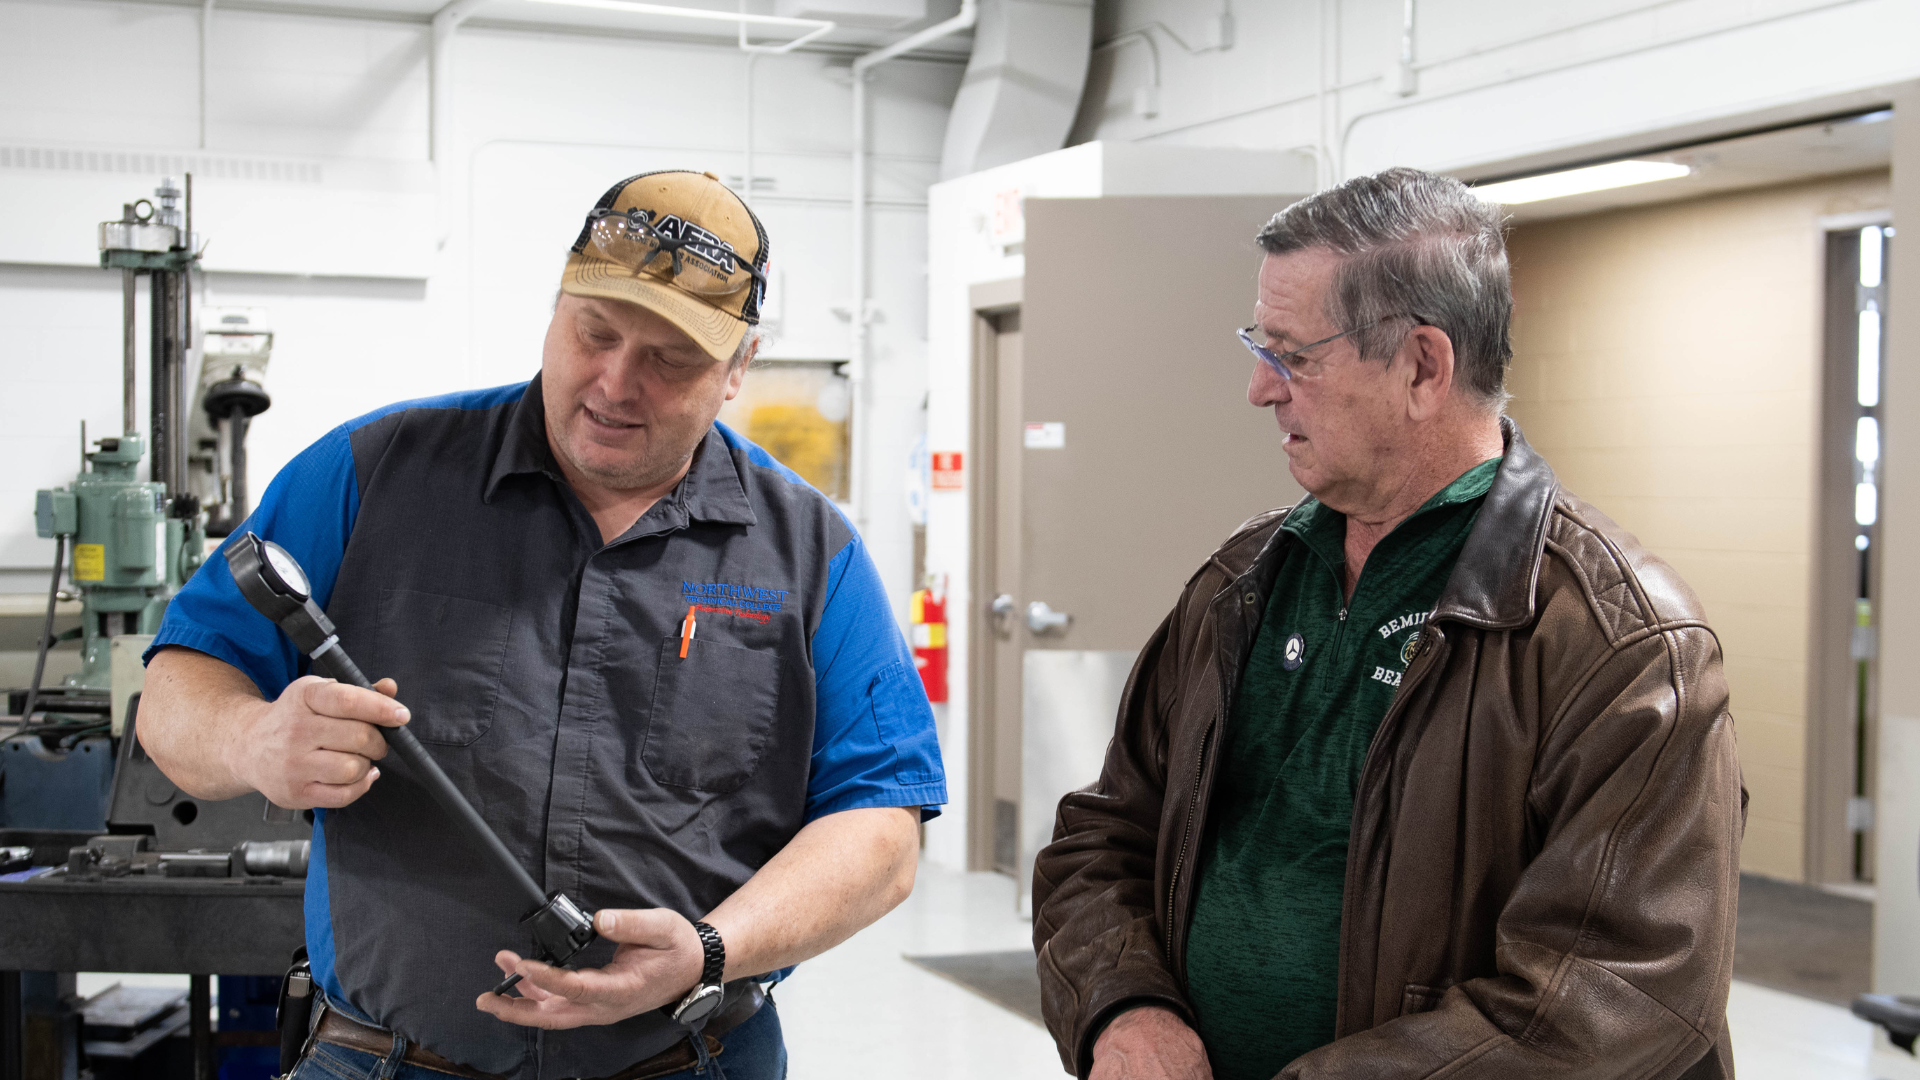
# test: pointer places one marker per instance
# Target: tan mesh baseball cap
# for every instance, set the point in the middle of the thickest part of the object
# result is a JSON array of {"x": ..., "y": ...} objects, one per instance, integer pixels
[{"x": 680, "y": 244}]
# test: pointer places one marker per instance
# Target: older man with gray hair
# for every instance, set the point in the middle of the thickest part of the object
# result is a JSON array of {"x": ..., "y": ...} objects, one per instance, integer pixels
[{"x": 1431, "y": 773}]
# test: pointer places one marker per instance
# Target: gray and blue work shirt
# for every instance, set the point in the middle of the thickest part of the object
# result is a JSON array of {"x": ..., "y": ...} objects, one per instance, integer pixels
[{"x": 544, "y": 672}]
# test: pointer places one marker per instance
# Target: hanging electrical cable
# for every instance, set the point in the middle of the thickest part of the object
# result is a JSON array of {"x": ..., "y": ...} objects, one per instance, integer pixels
[{"x": 46, "y": 631}]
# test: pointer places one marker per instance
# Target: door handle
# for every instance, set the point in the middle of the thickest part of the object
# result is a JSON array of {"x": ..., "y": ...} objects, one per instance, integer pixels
[
  {"x": 1042, "y": 619},
  {"x": 1002, "y": 609}
]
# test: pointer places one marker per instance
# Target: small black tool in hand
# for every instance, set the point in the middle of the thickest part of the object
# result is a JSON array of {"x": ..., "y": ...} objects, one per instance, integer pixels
[{"x": 274, "y": 584}]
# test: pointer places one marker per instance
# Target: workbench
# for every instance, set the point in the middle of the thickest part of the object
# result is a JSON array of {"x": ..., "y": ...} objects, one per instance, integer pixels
[{"x": 199, "y": 927}]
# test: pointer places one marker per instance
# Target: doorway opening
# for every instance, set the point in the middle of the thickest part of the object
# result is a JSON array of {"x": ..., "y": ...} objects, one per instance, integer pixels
[{"x": 1845, "y": 732}]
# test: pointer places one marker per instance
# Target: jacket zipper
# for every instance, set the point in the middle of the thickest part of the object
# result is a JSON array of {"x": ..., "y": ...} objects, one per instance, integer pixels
[{"x": 1186, "y": 835}]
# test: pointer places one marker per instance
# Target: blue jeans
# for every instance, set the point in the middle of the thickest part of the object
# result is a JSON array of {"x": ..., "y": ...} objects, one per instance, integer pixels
[{"x": 754, "y": 1051}]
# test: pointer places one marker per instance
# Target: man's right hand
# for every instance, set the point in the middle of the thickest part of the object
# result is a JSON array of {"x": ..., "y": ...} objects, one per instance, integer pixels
[
  {"x": 1149, "y": 1043},
  {"x": 316, "y": 744}
]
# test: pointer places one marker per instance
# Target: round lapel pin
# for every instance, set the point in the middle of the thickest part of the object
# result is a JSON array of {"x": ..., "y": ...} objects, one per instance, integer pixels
[{"x": 1295, "y": 652}]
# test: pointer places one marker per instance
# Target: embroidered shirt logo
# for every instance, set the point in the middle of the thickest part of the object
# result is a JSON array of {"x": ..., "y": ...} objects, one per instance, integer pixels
[
  {"x": 724, "y": 598},
  {"x": 1395, "y": 625},
  {"x": 1408, "y": 648}
]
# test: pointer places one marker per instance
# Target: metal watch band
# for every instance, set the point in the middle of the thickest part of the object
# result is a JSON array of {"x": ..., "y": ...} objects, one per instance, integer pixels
[{"x": 716, "y": 954}]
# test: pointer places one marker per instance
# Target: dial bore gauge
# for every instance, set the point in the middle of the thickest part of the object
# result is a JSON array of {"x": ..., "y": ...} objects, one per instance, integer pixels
[{"x": 276, "y": 586}]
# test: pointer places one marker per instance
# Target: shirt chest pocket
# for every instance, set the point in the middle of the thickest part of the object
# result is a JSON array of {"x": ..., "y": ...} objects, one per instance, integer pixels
[
  {"x": 711, "y": 715},
  {"x": 448, "y": 654}
]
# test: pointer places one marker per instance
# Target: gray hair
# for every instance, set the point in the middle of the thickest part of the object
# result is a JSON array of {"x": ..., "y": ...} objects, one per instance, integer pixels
[
  {"x": 1414, "y": 244},
  {"x": 748, "y": 343}
]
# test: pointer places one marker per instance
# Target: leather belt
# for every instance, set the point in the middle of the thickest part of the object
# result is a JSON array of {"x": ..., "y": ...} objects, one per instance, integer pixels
[{"x": 339, "y": 1029}]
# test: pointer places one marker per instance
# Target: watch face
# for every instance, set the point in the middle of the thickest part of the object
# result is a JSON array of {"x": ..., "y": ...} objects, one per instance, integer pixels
[{"x": 699, "y": 1004}]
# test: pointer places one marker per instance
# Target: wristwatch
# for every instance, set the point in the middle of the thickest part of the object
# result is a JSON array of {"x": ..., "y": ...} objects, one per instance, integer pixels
[{"x": 704, "y": 998}]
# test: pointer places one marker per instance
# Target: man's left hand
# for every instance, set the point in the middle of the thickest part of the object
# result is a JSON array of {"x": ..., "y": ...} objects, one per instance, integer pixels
[{"x": 658, "y": 960}]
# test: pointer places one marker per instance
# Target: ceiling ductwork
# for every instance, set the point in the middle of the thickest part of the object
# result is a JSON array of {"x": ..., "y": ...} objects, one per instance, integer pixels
[{"x": 1022, "y": 86}]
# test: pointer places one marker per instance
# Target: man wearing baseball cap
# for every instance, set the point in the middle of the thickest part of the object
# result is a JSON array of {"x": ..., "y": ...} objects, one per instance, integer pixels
[{"x": 660, "y": 665}]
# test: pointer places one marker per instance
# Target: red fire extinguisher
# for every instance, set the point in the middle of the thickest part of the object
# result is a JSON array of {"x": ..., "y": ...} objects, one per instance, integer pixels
[{"x": 928, "y": 615}]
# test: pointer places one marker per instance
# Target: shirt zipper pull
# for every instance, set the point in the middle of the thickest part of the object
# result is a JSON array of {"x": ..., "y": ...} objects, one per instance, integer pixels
[{"x": 686, "y": 632}]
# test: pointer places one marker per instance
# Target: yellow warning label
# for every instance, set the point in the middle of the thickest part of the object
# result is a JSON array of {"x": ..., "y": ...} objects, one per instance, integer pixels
[{"x": 89, "y": 562}]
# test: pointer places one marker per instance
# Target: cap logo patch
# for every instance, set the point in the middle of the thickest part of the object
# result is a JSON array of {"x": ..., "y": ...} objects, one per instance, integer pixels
[{"x": 694, "y": 240}]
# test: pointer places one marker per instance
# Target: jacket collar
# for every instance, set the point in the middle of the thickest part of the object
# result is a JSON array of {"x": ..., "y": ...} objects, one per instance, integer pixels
[
  {"x": 712, "y": 490},
  {"x": 1492, "y": 585}
]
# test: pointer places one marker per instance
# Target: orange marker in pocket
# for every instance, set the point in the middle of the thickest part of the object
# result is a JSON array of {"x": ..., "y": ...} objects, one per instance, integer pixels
[{"x": 686, "y": 632}]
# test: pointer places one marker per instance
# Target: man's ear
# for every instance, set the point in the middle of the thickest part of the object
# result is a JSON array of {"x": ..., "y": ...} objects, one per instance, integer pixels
[
  {"x": 737, "y": 370},
  {"x": 1429, "y": 355}
]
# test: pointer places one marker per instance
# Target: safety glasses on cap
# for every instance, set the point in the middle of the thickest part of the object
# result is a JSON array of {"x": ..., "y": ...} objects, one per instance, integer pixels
[{"x": 671, "y": 249}]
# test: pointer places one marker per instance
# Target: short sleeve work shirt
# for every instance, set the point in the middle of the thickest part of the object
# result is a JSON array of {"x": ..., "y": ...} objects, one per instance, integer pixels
[{"x": 544, "y": 673}]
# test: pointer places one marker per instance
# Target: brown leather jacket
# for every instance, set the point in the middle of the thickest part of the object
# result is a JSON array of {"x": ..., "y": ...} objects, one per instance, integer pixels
[{"x": 1543, "y": 867}]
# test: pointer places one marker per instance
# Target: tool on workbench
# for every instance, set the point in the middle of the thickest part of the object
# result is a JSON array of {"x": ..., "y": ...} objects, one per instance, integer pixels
[{"x": 276, "y": 586}]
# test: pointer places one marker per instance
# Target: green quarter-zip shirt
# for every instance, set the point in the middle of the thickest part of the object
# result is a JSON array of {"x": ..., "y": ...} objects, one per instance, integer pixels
[{"x": 1263, "y": 954}]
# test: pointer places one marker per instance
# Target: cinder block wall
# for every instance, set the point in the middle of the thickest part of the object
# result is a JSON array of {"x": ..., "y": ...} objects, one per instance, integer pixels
[{"x": 1667, "y": 364}]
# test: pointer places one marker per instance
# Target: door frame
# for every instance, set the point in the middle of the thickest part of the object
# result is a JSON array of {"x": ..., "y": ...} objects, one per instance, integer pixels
[
  {"x": 987, "y": 301},
  {"x": 1832, "y": 688}
]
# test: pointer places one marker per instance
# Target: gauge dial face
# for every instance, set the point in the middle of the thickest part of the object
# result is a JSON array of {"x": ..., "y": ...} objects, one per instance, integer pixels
[{"x": 287, "y": 570}]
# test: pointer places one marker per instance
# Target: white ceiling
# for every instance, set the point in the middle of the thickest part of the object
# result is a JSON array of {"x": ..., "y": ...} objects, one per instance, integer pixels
[
  {"x": 549, "y": 16},
  {"x": 1832, "y": 148}
]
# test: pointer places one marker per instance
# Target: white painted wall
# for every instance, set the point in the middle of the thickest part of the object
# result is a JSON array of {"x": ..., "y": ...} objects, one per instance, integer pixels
[
  {"x": 1494, "y": 79},
  {"x": 543, "y": 124}
]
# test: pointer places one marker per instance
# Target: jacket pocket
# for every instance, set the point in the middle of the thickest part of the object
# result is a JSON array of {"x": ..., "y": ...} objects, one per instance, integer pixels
[
  {"x": 1419, "y": 999},
  {"x": 448, "y": 654},
  {"x": 711, "y": 714}
]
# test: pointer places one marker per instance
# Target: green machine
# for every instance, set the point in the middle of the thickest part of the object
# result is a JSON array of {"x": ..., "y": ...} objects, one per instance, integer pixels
[
  {"x": 128, "y": 544},
  {"x": 127, "y": 555}
]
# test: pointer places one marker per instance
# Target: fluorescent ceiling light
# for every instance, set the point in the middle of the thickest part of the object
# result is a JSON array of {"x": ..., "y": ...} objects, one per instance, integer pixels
[
  {"x": 741, "y": 20},
  {"x": 691, "y": 13},
  {"x": 1614, "y": 174}
]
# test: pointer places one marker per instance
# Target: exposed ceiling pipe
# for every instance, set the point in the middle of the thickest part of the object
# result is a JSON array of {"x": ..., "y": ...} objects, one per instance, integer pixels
[
  {"x": 440, "y": 78},
  {"x": 1323, "y": 172},
  {"x": 440, "y": 110},
  {"x": 1146, "y": 99},
  {"x": 754, "y": 52},
  {"x": 1406, "y": 82},
  {"x": 746, "y": 176},
  {"x": 206, "y": 47},
  {"x": 859, "y": 308}
]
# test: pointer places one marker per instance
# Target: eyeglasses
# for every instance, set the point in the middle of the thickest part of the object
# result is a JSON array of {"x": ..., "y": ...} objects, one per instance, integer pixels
[
  {"x": 1278, "y": 361},
  {"x": 673, "y": 250}
]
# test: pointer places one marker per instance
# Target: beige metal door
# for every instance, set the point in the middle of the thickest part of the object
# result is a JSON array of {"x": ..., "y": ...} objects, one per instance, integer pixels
[{"x": 1125, "y": 451}]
